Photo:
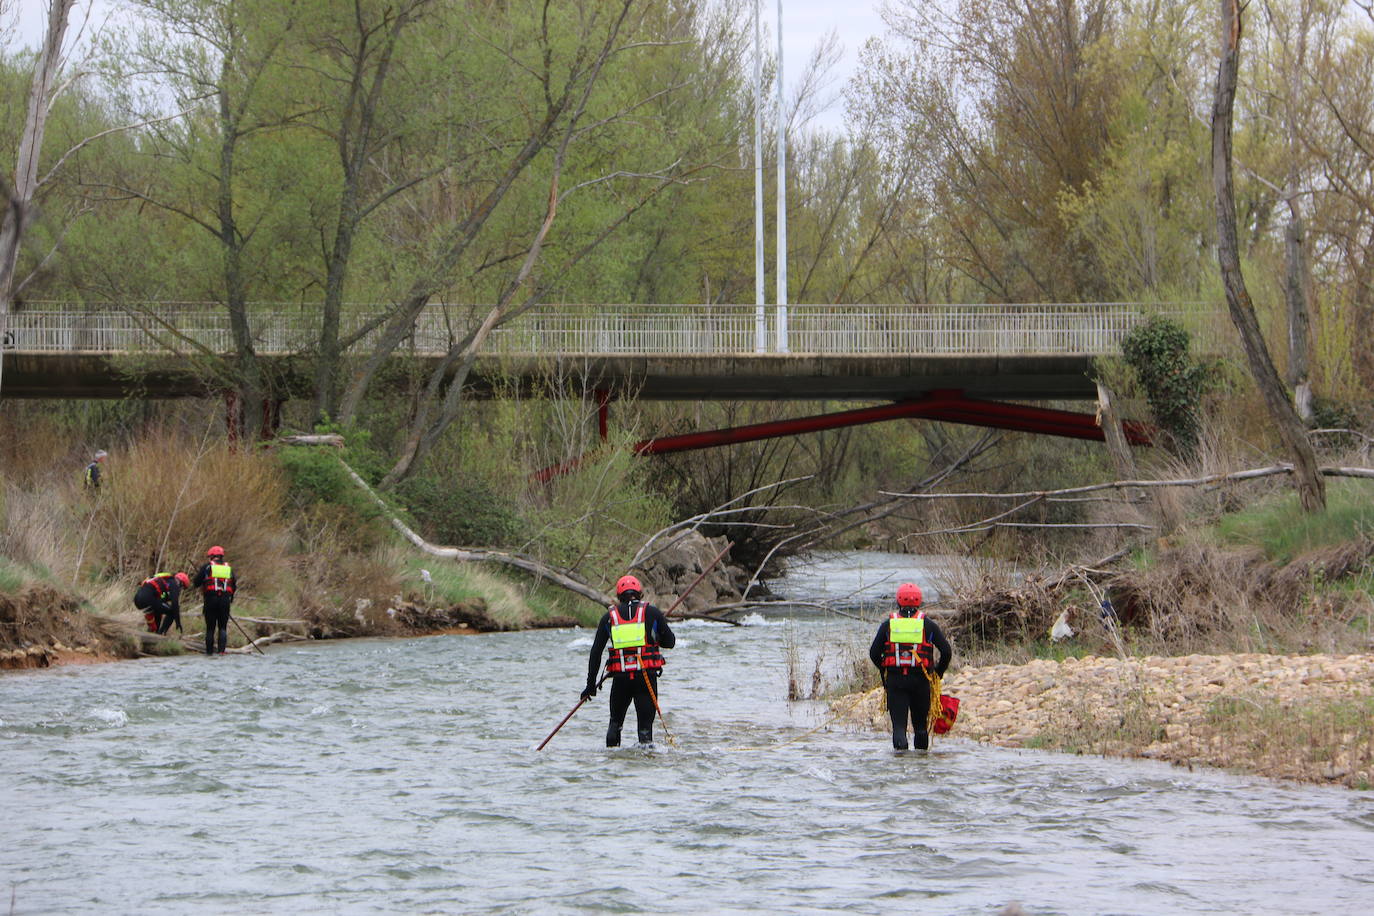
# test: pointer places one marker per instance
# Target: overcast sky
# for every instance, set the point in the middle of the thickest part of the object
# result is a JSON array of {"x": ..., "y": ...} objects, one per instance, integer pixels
[{"x": 805, "y": 22}]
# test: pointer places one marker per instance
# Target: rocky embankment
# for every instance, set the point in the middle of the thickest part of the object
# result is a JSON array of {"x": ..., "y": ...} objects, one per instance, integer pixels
[
  {"x": 671, "y": 570},
  {"x": 1305, "y": 717}
]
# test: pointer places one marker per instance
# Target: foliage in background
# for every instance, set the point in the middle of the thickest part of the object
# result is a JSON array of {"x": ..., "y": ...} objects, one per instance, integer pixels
[{"x": 463, "y": 510}]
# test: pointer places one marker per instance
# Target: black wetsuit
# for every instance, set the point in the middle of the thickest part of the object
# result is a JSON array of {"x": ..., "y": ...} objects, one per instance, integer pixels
[
  {"x": 217, "y": 605},
  {"x": 909, "y": 694},
  {"x": 166, "y": 608},
  {"x": 630, "y": 686}
]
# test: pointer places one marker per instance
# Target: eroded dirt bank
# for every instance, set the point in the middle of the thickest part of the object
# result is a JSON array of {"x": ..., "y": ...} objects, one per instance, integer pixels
[
  {"x": 42, "y": 626},
  {"x": 1308, "y": 717}
]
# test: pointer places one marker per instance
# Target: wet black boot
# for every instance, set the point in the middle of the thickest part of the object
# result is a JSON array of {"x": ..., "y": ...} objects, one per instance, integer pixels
[
  {"x": 613, "y": 735},
  {"x": 646, "y": 737},
  {"x": 899, "y": 741},
  {"x": 922, "y": 741}
]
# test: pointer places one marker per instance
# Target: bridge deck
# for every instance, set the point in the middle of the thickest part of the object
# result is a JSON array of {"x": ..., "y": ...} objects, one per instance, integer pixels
[{"x": 658, "y": 352}]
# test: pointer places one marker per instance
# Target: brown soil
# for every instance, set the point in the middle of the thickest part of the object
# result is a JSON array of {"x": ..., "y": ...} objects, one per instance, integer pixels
[{"x": 43, "y": 626}]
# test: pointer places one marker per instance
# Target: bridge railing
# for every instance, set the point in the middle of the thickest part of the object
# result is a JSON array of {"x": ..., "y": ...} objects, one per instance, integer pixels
[{"x": 1081, "y": 329}]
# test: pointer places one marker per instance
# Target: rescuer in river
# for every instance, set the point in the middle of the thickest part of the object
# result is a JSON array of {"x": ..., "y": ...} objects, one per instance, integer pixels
[
  {"x": 637, "y": 631},
  {"x": 217, "y": 579},
  {"x": 159, "y": 598},
  {"x": 904, "y": 651}
]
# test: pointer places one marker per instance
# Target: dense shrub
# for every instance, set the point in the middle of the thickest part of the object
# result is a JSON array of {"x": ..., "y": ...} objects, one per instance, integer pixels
[
  {"x": 1174, "y": 383},
  {"x": 331, "y": 511},
  {"x": 464, "y": 511}
]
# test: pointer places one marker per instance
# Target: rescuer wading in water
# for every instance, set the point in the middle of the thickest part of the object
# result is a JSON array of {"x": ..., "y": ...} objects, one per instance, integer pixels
[
  {"x": 636, "y": 631},
  {"x": 903, "y": 650},
  {"x": 217, "y": 579}
]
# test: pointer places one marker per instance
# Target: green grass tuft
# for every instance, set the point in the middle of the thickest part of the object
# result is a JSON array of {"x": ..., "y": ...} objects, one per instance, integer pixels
[
  {"x": 14, "y": 575},
  {"x": 1280, "y": 527}
]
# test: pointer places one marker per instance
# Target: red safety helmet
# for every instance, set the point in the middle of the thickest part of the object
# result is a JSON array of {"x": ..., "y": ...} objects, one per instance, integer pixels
[
  {"x": 215, "y": 551},
  {"x": 628, "y": 584},
  {"x": 184, "y": 579},
  {"x": 909, "y": 594}
]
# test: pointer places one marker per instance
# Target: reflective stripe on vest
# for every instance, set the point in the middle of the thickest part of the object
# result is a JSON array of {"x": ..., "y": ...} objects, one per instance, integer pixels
[
  {"x": 906, "y": 643},
  {"x": 160, "y": 582},
  {"x": 630, "y": 646},
  {"x": 218, "y": 581}
]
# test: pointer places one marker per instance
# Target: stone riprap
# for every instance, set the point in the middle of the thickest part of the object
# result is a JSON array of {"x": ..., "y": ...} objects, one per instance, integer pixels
[{"x": 1246, "y": 712}]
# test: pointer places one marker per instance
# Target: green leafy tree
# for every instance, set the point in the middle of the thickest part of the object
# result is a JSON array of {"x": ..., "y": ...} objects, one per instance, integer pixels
[{"x": 1174, "y": 383}]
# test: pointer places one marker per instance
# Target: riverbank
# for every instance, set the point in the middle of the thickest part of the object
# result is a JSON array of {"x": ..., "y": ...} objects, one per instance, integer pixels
[{"x": 1308, "y": 718}]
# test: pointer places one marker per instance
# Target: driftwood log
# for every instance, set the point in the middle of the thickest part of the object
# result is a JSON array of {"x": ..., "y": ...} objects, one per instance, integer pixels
[{"x": 561, "y": 578}]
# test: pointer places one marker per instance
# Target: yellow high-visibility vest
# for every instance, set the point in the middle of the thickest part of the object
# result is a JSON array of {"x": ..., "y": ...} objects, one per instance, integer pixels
[
  {"x": 220, "y": 574},
  {"x": 628, "y": 635},
  {"x": 907, "y": 629}
]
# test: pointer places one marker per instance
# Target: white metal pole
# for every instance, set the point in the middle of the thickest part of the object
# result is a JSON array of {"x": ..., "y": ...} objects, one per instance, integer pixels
[
  {"x": 760, "y": 312},
  {"x": 782, "y": 198}
]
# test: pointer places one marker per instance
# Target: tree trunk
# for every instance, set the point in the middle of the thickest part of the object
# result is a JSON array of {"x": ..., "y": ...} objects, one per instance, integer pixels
[
  {"x": 1167, "y": 508},
  {"x": 1311, "y": 488},
  {"x": 18, "y": 209},
  {"x": 1299, "y": 314},
  {"x": 251, "y": 393},
  {"x": 357, "y": 142}
]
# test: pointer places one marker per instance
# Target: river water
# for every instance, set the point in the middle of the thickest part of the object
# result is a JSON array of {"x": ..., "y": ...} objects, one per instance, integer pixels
[{"x": 401, "y": 776}]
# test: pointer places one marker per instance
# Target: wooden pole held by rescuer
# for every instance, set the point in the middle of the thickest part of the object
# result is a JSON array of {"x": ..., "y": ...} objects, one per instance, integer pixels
[{"x": 246, "y": 637}]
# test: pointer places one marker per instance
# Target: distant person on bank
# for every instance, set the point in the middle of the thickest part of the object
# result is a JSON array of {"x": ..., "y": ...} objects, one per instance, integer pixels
[
  {"x": 216, "y": 579},
  {"x": 636, "y": 631},
  {"x": 159, "y": 598},
  {"x": 93, "y": 470},
  {"x": 904, "y": 651}
]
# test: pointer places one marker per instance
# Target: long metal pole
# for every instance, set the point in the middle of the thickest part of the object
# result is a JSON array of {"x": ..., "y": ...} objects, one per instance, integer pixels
[
  {"x": 760, "y": 312},
  {"x": 782, "y": 198}
]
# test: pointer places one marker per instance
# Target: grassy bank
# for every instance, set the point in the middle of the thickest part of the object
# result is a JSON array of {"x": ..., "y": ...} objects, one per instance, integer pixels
[{"x": 304, "y": 542}]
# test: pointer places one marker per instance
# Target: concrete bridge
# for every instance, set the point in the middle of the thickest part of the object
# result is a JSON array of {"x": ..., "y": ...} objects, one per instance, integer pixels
[{"x": 663, "y": 352}]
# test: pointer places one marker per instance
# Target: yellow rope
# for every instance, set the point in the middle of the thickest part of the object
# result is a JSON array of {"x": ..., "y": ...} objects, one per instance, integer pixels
[{"x": 935, "y": 712}]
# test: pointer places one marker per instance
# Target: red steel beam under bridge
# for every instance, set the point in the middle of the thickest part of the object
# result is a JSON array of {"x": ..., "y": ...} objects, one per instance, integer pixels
[{"x": 948, "y": 406}]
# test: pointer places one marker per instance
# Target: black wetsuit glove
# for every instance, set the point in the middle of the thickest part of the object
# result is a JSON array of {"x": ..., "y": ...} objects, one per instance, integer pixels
[{"x": 590, "y": 690}]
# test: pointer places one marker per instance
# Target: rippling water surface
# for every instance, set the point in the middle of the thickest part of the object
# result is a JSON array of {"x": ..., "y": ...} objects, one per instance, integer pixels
[{"x": 400, "y": 776}]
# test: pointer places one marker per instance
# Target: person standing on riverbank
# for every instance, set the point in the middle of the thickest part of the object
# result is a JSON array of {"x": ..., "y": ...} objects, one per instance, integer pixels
[
  {"x": 637, "y": 632},
  {"x": 904, "y": 650},
  {"x": 93, "y": 470},
  {"x": 217, "y": 580},
  {"x": 159, "y": 598}
]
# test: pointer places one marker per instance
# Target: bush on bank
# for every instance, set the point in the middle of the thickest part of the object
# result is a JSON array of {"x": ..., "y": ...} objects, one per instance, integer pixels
[{"x": 304, "y": 540}]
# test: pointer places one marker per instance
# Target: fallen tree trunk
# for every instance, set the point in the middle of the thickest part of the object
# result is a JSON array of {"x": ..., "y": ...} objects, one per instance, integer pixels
[
  {"x": 530, "y": 565},
  {"x": 333, "y": 439},
  {"x": 1251, "y": 474},
  {"x": 273, "y": 621}
]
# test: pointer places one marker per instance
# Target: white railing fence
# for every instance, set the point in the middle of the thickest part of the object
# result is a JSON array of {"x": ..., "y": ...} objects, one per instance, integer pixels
[{"x": 1094, "y": 329}]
